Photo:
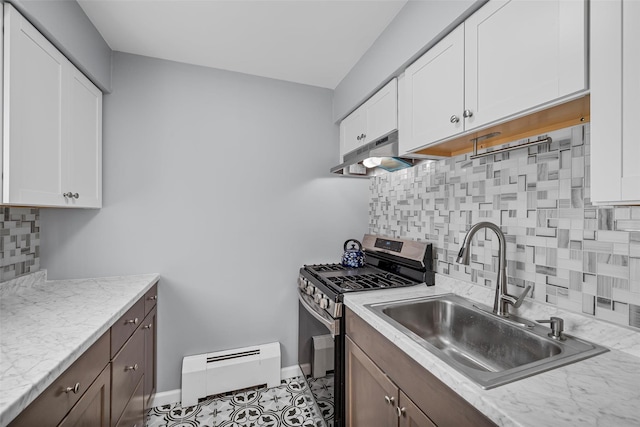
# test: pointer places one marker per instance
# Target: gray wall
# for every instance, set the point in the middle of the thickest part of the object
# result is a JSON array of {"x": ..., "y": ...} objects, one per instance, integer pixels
[
  {"x": 65, "y": 24},
  {"x": 219, "y": 182},
  {"x": 417, "y": 27}
]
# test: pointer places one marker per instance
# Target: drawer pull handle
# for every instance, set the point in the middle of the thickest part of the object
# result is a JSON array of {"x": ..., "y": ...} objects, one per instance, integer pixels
[
  {"x": 131, "y": 321},
  {"x": 131, "y": 368},
  {"x": 73, "y": 389},
  {"x": 147, "y": 326},
  {"x": 153, "y": 298},
  {"x": 400, "y": 411},
  {"x": 389, "y": 400}
]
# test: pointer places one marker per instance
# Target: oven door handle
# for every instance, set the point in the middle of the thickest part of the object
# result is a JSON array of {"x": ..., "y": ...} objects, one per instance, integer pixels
[{"x": 332, "y": 324}]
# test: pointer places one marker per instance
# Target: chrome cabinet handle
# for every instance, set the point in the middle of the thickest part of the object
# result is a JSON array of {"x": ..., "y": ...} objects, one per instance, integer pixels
[
  {"x": 73, "y": 389},
  {"x": 467, "y": 113},
  {"x": 153, "y": 298},
  {"x": 389, "y": 400},
  {"x": 400, "y": 411},
  {"x": 454, "y": 119},
  {"x": 131, "y": 321},
  {"x": 147, "y": 326},
  {"x": 131, "y": 368},
  {"x": 71, "y": 195}
]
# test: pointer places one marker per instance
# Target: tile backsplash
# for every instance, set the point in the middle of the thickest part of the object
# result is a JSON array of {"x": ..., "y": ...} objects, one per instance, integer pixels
[
  {"x": 575, "y": 255},
  {"x": 19, "y": 242}
]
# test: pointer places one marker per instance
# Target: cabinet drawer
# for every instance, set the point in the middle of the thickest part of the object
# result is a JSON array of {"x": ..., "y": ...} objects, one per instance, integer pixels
[
  {"x": 93, "y": 408},
  {"x": 126, "y": 326},
  {"x": 133, "y": 414},
  {"x": 126, "y": 371},
  {"x": 54, "y": 403},
  {"x": 150, "y": 299}
]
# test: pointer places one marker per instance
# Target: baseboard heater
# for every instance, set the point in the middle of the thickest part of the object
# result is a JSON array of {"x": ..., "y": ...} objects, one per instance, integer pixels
[{"x": 224, "y": 371}]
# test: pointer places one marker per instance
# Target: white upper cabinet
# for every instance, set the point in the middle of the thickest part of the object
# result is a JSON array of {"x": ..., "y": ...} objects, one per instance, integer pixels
[
  {"x": 374, "y": 119},
  {"x": 508, "y": 58},
  {"x": 82, "y": 163},
  {"x": 433, "y": 100},
  {"x": 615, "y": 89},
  {"x": 52, "y": 124},
  {"x": 352, "y": 131},
  {"x": 522, "y": 53},
  {"x": 33, "y": 133}
]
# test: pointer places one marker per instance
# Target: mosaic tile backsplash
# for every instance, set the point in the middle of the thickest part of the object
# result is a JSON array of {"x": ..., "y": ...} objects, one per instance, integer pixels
[
  {"x": 19, "y": 242},
  {"x": 575, "y": 255}
]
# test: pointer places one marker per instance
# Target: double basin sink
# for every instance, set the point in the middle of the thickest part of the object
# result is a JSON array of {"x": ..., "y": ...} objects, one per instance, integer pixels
[{"x": 489, "y": 350}]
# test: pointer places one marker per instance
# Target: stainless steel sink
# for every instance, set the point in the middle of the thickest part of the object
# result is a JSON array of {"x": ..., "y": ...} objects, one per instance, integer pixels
[{"x": 486, "y": 348}]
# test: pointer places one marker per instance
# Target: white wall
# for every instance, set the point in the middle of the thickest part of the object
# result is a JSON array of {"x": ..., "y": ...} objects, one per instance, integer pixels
[
  {"x": 417, "y": 27},
  {"x": 219, "y": 182}
]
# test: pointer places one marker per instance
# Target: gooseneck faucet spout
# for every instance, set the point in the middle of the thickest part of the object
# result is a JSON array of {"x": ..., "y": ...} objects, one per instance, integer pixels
[{"x": 502, "y": 298}]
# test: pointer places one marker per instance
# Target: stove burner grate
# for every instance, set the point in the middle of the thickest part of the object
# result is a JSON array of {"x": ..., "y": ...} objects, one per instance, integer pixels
[
  {"x": 370, "y": 281},
  {"x": 324, "y": 268}
]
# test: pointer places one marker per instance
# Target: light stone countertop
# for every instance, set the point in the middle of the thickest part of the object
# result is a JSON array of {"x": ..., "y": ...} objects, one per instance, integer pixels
[
  {"x": 46, "y": 325},
  {"x": 600, "y": 391}
]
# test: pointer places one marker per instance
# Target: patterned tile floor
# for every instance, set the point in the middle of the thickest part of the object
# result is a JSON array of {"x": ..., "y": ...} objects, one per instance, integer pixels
[{"x": 288, "y": 405}]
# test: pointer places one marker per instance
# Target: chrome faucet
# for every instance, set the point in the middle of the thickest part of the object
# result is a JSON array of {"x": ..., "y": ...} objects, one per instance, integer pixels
[{"x": 502, "y": 298}]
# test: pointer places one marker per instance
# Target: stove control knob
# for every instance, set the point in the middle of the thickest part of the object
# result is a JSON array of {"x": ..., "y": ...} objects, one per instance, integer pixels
[
  {"x": 324, "y": 303},
  {"x": 310, "y": 290},
  {"x": 317, "y": 298},
  {"x": 302, "y": 282}
]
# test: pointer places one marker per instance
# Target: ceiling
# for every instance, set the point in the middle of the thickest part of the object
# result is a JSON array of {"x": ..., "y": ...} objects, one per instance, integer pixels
[{"x": 314, "y": 42}]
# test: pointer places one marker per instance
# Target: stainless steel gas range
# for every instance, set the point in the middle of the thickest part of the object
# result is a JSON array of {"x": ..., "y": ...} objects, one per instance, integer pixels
[{"x": 390, "y": 263}]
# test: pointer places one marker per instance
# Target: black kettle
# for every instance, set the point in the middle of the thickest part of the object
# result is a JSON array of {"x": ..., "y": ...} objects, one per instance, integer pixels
[{"x": 353, "y": 257}]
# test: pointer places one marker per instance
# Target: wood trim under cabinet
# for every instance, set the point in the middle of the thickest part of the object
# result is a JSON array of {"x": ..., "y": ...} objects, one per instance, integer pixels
[
  {"x": 571, "y": 113},
  {"x": 441, "y": 404}
]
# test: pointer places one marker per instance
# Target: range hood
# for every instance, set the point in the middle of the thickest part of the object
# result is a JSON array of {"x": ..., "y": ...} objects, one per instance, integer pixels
[{"x": 384, "y": 150}]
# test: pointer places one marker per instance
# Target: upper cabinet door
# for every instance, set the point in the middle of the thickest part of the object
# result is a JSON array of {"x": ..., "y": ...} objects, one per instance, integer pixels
[
  {"x": 382, "y": 112},
  {"x": 615, "y": 88},
  {"x": 52, "y": 136},
  {"x": 82, "y": 166},
  {"x": 433, "y": 101},
  {"x": 521, "y": 54},
  {"x": 377, "y": 117},
  {"x": 352, "y": 131},
  {"x": 34, "y": 84}
]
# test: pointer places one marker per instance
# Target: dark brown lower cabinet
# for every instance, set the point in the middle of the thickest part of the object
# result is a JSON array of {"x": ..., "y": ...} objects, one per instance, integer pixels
[
  {"x": 133, "y": 414},
  {"x": 66, "y": 391},
  {"x": 111, "y": 384},
  {"x": 150, "y": 356},
  {"x": 127, "y": 369},
  {"x": 383, "y": 382},
  {"x": 133, "y": 366},
  {"x": 92, "y": 410},
  {"x": 373, "y": 400},
  {"x": 410, "y": 415}
]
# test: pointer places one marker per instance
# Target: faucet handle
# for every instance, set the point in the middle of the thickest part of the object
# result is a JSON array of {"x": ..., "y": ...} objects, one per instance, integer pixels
[
  {"x": 517, "y": 302},
  {"x": 557, "y": 326}
]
